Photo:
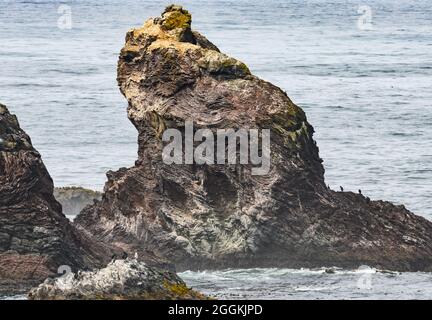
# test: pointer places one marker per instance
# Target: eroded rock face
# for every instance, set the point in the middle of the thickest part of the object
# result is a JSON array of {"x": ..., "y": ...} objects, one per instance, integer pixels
[
  {"x": 35, "y": 237},
  {"x": 120, "y": 280},
  {"x": 220, "y": 216}
]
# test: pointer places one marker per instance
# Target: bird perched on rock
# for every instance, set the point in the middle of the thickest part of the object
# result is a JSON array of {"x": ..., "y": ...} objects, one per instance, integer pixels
[
  {"x": 342, "y": 189},
  {"x": 360, "y": 192}
]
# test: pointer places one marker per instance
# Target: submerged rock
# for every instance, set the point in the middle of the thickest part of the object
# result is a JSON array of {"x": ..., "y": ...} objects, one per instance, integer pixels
[
  {"x": 220, "y": 216},
  {"x": 121, "y": 279},
  {"x": 35, "y": 237},
  {"x": 74, "y": 199}
]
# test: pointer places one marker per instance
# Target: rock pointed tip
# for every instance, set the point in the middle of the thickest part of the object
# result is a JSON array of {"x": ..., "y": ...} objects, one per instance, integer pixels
[
  {"x": 174, "y": 7},
  {"x": 175, "y": 17},
  {"x": 3, "y": 109}
]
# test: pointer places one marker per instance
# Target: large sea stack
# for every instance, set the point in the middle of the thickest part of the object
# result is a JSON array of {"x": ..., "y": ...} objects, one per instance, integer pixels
[
  {"x": 36, "y": 239},
  {"x": 220, "y": 216}
]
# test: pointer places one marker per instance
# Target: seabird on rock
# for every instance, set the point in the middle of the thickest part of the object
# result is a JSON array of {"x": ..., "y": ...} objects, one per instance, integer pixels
[
  {"x": 360, "y": 191},
  {"x": 342, "y": 189}
]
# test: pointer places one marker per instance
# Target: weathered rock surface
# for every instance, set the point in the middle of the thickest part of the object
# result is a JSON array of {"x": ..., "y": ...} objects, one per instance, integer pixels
[
  {"x": 121, "y": 279},
  {"x": 219, "y": 216},
  {"x": 74, "y": 199},
  {"x": 35, "y": 237}
]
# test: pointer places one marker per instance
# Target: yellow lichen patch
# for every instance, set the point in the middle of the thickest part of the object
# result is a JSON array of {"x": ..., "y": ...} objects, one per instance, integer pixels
[
  {"x": 176, "y": 19},
  {"x": 182, "y": 47},
  {"x": 150, "y": 28},
  {"x": 181, "y": 291},
  {"x": 177, "y": 289},
  {"x": 161, "y": 28}
]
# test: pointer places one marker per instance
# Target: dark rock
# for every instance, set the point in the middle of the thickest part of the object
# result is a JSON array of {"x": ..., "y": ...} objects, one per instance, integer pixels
[
  {"x": 74, "y": 199},
  {"x": 120, "y": 280},
  {"x": 330, "y": 270},
  {"x": 35, "y": 237},
  {"x": 220, "y": 216}
]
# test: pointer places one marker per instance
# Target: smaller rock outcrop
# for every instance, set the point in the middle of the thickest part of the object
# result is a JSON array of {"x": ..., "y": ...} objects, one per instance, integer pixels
[
  {"x": 74, "y": 199},
  {"x": 120, "y": 280},
  {"x": 36, "y": 238}
]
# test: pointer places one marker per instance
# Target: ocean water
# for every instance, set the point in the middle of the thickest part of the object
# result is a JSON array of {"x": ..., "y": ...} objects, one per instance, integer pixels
[
  {"x": 282, "y": 284},
  {"x": 363, "y": 74}
]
